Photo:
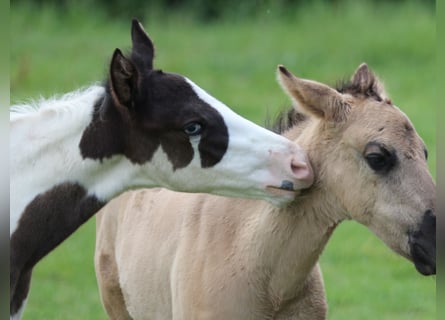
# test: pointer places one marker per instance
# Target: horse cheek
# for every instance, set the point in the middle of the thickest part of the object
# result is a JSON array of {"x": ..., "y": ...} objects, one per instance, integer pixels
[{"x": 179, "y": 150}]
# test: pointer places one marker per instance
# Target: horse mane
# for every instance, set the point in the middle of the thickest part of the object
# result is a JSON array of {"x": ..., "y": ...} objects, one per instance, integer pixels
[
  {"x": 57, "y": 103},
  {"x": 354, "y": 89},
  {"x": 285, "y": 120}
]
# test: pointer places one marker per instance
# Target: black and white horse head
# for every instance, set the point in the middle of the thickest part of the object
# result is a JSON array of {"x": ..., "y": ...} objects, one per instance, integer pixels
[{"x": 171, "y": 129}]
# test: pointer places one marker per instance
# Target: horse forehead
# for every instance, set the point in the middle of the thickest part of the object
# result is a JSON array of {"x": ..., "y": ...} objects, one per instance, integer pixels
[
  {"x": 382, "y": 117},
  {"x": 164, "y": 86},
  {"x": 386, "y": 123},
  {"x": 176, "y": 91},
  {"x": 211, "y": 101}
]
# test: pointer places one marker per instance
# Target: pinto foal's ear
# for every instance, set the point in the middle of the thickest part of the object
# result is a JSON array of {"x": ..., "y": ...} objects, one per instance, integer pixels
[
  {"x": 366, "y": 83},
  {"x": 123, "y": 79},
  {"x": 143, "y": 48},
  {"x": 313, "y": 97}
]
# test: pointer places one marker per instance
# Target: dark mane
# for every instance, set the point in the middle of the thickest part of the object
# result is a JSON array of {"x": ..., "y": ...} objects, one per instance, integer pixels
[
  {"x": 355, "y": 89},
  {"x": 285, "y": 120}
]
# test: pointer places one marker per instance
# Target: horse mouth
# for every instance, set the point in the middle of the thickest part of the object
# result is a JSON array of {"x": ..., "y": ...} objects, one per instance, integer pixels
[
  {"x": 280, "y": 191},
  {"x": 422, "y": 243},
  {"x": 287, "y": 187}
]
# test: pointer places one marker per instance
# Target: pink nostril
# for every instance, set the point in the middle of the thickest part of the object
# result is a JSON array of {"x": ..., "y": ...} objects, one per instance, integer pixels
[
  {"x": 302, "y": 171},
  {"x": 290, "y": 170}
]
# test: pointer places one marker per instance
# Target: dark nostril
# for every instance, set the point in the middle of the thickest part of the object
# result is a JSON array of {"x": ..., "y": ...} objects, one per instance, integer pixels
[{"x": 287, "y": 185}]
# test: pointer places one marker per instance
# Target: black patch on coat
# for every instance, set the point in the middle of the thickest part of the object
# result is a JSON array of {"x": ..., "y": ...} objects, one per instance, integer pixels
[
  {"x": 47, "y": 220},
  {"x": 160, "y": 110}
]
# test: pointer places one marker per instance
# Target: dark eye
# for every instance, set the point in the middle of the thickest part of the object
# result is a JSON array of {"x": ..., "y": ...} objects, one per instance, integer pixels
[
  {"x": 193, "y": 129},
  {"x": 426, "y": 153},
  {"x": 376, "y": 161},
  {"x": 379, "y": 158}
]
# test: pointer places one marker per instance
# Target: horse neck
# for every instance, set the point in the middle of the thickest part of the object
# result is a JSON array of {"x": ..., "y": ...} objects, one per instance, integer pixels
[
  {"x": 300, "y": 231},
  {"x": 54, "y": 124},
  {"x": 48, "y": 138}
]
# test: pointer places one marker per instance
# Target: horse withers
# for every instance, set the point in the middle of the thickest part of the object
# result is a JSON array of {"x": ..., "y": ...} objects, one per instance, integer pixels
[
  {"x": 143, "y": 128},
  {"x": 166, "y": 255}
]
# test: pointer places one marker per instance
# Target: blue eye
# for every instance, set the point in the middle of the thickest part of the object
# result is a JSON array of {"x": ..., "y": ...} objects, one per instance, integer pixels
[{"x": 193, "y": 129}]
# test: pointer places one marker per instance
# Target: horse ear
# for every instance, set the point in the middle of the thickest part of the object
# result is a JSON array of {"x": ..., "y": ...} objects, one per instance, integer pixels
[
  {"x": 123, "y": 78},
  {"x": 143, "y": 48},
  {"x": 367, "y": 83},
  {"x": 313, "y": 97}
]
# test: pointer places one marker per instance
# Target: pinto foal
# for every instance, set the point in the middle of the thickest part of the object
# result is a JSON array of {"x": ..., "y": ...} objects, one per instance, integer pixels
[{"x": 144, "y": 128}]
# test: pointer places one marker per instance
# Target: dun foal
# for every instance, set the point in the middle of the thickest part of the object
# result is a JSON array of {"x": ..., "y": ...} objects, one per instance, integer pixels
[
  {"x": 143, "y": 128},
  {"x": 166, "y": 255}
]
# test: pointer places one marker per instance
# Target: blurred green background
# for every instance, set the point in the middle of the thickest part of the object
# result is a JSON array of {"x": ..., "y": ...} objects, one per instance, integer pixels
[{"x": 231, "y": 49}]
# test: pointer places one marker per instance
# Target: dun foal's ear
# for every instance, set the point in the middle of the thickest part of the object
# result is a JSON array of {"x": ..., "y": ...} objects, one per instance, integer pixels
[
  {"x": 143, "y": 48},
  {"x": 367, "y": 83},
  {"x": 313, "y": 97},
  {"x": 123, "y": 79}
]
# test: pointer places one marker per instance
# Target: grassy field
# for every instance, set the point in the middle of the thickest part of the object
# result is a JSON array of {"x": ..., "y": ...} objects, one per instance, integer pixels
[{"x": 235, "y": 61}]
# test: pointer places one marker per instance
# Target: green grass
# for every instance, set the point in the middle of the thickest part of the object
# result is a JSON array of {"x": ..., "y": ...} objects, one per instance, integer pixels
[{"x": 236, "y": 61}]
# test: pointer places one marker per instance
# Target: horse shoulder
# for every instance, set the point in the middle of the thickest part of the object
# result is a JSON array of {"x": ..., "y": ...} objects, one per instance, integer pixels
[{"x": 143, "y": 246}]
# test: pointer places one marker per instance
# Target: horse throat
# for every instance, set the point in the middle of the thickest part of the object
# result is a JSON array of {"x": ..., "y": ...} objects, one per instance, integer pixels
[{"x": 301, "y": 231}]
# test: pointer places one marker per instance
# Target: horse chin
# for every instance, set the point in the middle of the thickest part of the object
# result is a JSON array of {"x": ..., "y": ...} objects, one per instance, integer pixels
[{"x": 423, "y": 260}]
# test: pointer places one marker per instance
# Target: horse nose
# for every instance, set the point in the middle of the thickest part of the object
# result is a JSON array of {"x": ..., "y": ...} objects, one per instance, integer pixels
[
  {"x": 292, "y": 168},
  {"x": 302, "y": 171}
]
